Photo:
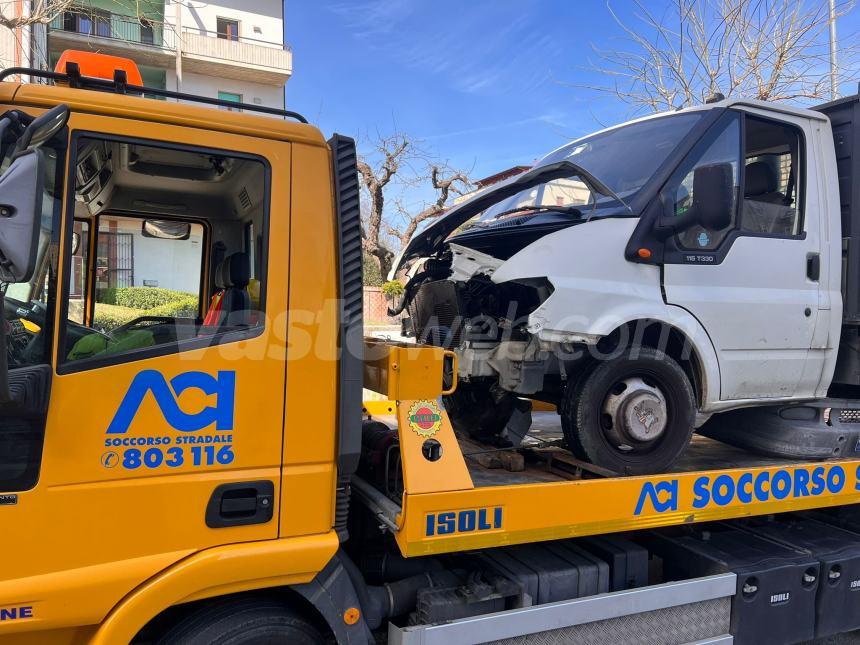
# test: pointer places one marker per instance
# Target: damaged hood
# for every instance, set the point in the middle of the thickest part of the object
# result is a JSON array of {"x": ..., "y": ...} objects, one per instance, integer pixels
[{"x": 425, "y": 242}]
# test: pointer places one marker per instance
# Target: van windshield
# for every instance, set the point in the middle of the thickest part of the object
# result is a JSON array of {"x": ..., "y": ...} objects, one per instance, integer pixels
[{"x": 623, "y": 158}]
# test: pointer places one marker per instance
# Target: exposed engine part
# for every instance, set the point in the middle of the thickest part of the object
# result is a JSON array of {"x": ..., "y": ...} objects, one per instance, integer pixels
[
  {"x": 446, "y": 313},
  {"x": 473, "y": 359},
  {"x": 521, "y": 365},
  {"x": 466, "y": 263}
]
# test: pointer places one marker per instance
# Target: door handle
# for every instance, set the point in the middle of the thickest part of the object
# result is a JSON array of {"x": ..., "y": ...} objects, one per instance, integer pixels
[
  {"x": 240, "y": 504},
  {"x": 813, "y": 266}
]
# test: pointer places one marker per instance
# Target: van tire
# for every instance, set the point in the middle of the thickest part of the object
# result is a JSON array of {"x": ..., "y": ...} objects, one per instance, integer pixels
[
  {"x": 604, "y": 416},
  {"x": 247, "y": 620}
]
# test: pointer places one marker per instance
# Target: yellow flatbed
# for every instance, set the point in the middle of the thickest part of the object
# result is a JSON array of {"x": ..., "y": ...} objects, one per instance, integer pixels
[{"x": 463, "y": 499}]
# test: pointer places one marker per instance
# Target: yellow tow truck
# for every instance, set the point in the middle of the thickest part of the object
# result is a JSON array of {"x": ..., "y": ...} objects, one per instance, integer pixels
[{"x": 186, "y": 455}]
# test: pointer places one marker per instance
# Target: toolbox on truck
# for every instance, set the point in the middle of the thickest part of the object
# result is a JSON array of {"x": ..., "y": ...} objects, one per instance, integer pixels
[
  {"x": 628, "y": 562},
  {"x": 774, "y": 599},
  {"x": 837, "y": 607}
]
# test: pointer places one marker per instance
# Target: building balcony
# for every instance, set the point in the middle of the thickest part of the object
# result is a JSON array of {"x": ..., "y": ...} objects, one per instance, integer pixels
[
  {"x": 152, "y": 43},
  {"x": 206, "y": 52}
]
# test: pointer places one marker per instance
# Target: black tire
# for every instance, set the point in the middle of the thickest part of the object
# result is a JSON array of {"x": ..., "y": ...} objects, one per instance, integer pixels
[
  {"x": 478, "y": 410},
  {"x": 247, "y": 620},
  {"x": 589, "y": 431}
]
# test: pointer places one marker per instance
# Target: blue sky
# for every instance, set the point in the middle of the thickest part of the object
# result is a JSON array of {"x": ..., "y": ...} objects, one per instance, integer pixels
[{"x": 484, "y": 83}]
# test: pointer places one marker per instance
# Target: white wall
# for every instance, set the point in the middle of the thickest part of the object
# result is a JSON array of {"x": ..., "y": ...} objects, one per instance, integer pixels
[
  {"x": 263, "y": 14},
  {"x": 210, "y": 86},
  {"x": 174, "y": 264}
]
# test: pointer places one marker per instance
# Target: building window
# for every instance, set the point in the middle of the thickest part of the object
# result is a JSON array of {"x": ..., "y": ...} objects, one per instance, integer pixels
[
  {"x": 147, "y": 35},
  {"x": 233, "y": 98},
  {"x": 95, "y": 23},
  {"x": 228, "y": 29}
]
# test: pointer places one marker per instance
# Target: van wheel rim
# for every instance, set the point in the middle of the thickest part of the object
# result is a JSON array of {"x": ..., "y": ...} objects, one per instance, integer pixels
[{"x": 634, "y": 413}]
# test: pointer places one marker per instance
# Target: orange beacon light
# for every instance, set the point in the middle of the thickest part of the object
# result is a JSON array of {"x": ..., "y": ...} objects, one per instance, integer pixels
[{"x": 97, "y": 65}]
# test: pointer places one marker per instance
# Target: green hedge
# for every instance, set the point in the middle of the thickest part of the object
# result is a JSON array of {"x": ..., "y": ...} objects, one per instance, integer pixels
[
  {"x": 109, "y": 317},
  {"x": 184, "y": 308},
  {"x": 142, "y": 297}
]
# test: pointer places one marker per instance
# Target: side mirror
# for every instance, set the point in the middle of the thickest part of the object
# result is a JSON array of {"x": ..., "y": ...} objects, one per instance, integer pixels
[
  {"x": 713, "y": 196},
  {"x": 166, "y": 229},
  {"x": 21, "y": 188},
  {"x": 43, "y": 127}
]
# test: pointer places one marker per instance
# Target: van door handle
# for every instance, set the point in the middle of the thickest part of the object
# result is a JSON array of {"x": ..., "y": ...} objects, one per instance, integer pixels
[
  {"x": 240, "y": 504},
  {"x": 813, "y": 266}
]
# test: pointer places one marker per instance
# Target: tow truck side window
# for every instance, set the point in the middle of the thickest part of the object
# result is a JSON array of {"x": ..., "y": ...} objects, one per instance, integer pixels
[{"x": 171, "y": 262}]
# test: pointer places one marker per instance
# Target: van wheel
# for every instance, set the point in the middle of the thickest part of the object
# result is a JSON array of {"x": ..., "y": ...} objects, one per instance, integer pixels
[
  {"x": 633, "y": 414},
  {"x": 251, "y": 620}
]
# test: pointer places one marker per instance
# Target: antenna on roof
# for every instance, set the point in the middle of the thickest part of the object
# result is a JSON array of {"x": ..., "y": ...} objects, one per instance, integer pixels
[{"x": 716, "y": 97}]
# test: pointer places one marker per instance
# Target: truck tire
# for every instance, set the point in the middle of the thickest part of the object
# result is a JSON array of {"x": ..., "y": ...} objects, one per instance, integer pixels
[
  {"x": 247, "y": 620},
  {"x": 633, "y": 414}
]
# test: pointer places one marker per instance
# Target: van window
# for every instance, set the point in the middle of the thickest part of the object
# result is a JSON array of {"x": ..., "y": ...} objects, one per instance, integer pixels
[
  {"x": 722, "y": 145},
  {"x": 772, "y": 203},
  {"x": 171, "y": 261}
]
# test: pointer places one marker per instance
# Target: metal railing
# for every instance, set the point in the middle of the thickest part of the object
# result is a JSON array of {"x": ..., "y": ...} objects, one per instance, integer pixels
[
  {"x": 195, "y": 42},
  {"x": 99, "y": 24},
  {"x": 210, "y": 44}
]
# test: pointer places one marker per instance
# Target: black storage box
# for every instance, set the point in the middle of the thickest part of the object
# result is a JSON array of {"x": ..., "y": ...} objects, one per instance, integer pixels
[
  {"x": 628, "y": 562},
  {"x": 549, "y": 572},
  {"x": 837, "y": 607},
  {"x": 775, "y": 597}
]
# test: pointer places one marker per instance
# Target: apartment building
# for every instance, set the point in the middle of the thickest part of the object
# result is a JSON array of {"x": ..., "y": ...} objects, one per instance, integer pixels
[{"x": 228, "y": 49}]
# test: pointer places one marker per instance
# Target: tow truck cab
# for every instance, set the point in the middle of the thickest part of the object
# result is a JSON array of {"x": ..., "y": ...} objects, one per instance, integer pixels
[
  {"x": 714, "y": 235},
  {"x": 167, "y": 270}
]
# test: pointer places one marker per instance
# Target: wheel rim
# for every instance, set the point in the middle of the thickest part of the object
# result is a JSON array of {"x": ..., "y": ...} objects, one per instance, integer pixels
[{"x": 634, "y": 414}]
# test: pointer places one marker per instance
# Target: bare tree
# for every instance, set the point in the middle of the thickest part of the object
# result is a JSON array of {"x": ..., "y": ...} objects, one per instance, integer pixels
[
  {"x": 775, "y": 50},
  {"x": 400, "y": 159},
  {"x": 41, "y": 12}
]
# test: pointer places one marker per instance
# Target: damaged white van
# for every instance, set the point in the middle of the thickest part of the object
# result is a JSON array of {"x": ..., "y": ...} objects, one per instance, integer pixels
[{"x": 641, "y": 278}]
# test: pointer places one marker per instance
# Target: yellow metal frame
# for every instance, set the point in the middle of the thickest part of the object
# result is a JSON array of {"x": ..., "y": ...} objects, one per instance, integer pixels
[{"x": 443, "y": 512}]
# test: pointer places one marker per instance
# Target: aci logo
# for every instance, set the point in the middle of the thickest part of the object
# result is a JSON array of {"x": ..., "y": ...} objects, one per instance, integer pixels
[{"x": 223, "y": 387}]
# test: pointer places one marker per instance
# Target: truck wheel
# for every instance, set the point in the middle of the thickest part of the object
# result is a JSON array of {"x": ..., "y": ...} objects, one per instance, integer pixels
[
  {"x": 476, "y": 410},
  {"x": 251, "y": 620},
  {"x": 633, "y": 414}
]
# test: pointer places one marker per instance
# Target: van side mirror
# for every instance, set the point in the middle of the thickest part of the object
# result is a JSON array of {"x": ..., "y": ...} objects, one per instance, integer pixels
[
  {"x": 21, "y": 188},
  {"x": 713, "y": 195}
]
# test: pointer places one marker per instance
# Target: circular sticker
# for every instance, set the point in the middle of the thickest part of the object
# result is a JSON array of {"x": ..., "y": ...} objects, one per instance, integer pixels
[{"x": 425, "y": 418}]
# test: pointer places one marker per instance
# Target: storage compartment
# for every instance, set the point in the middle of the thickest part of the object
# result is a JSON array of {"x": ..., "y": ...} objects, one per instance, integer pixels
[
  {"x": 774, "y": 599},
  {"x": 548, "y": 572},
  {"x": 628, "y": 562},
  {"x": 837, "y": 607}
]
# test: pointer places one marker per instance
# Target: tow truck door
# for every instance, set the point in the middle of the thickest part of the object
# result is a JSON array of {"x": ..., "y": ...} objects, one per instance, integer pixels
[
  {"x": 131, "y": 478},
  {"x": 754, "y": 286}
]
